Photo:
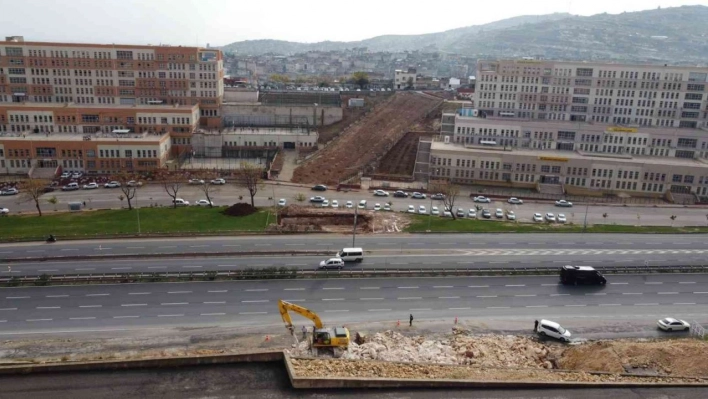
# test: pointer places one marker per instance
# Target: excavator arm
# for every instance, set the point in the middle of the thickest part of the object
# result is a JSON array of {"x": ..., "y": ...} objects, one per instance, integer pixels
[{"x": 304, "y": 312}]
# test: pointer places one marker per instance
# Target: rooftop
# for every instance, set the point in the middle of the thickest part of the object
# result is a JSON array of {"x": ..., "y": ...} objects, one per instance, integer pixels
[
  {"x": 629, "y": 159},
  {"x": 101, "y": 137},
  {"x": 53, "y": 106},
  {"x": 273, "y": 131}
]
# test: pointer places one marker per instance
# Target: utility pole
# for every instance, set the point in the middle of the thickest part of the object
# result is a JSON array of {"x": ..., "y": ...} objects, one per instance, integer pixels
[
  {"x": 585, "y": 222},
  {"x": 354, "y": 231},
  {"x": 137, "y": 208}
]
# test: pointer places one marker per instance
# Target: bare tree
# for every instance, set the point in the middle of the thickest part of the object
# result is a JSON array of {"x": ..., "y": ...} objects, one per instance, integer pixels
[
  {"x": 171, "y": 185},
  {"x": 128, "y": 186},
  {"x": 31, "y": 190},
  {"x": 250, "y": 178},
  {"x": 450, "y": 193},
  {"x": 207, "y": 187}
]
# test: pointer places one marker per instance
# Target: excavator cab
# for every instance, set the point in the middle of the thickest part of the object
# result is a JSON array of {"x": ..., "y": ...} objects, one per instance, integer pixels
[{"x": 337, "y": 337}]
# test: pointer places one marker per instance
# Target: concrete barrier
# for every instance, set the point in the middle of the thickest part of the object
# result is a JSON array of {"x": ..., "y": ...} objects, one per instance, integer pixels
[{"x": 166, "y": 255}]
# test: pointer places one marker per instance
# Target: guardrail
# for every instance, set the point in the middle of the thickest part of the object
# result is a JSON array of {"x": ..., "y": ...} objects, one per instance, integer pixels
[{"x": 273, "y": 273}]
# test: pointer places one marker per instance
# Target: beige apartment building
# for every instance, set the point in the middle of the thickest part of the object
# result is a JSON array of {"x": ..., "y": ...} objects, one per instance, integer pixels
[
  {"x": 41, "y": 138},
  {"x": 617, "y": 94},
  {"x": 112, "y": 74}
]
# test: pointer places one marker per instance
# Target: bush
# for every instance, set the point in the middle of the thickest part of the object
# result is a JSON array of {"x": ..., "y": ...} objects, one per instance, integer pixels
[{"x": 240, "y": 209}]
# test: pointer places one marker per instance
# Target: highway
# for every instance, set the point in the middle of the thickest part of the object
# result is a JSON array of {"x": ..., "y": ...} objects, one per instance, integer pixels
[
  {"x": 632, "y": 303},
  {"x": 103, "y": 198}
]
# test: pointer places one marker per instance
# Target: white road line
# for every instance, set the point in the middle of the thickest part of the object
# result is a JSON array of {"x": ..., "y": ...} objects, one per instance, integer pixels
[
  {"x": 371, "y": 299},
  {"x": 157, "y": 267},
  {"x": 134, "y": 304},
  {"x": 138, "y": 293},
  {"x": 619, "y": 283},
  {"x": 684, "y": 303},
  {"x": 549, "y": 285},
  {"x": 16, "y": 297},
  {"x": 442, "y": 286},
  {"x": 256, "y": 301},
  {"x": 72, "y": 249},
  {"x": 646, "y": 304},
  {"x": 121, "y": 268},
  {"x": 174, "y": 303},
  {"x": 296, "y": 264},
  {"x": 8, "y": 308},
  {"x": 499, "y": 262},
  {"x": 198, "y": 246},
  {"x": 56, "y": 296},
  {"x": 226, "y": 265},
  {"x": 294, "y": 289},
  {"x": 486, "y": 296},
  {"x": 81, "y": 318},
  {"x": 170, "y": 315},
  {"x": 458, "y": 308},
  {"x": 610, "y": 304},
  {"x": 515, "y": 285},
  {"x": 418, "y": 309},
  {"x": 687, "y": 282},
  {"x": 135, "y": 247},
  {"x": 559, "y": 294},
  {"x": 597, "y": 294},
  {"x": 369, "y": 288},
  {"x": 333, "y": 288},
  {"x": 214, "y": 303},
  {"x": 336, "y": 311},
  {"x": 230, "y": 245},
  {"x": 257, "y": 290},
  {"x": 294, "y": 245},
  {"x": 574, "y": 306},
  {"x": 212, "y": 314},
  {"x": 179, "y": 292},
  {"x": 536, "y": 306},
  {"x": 168, "y": 247},
  {"x": 409, "y": 297},
  {"x": 85, "y": 268},
  {"x": 631, "y": 293},
  {"x": 668, "y": 293},
  {"x": 91, "y": 306},
  {"x": 379, "y": 310},
  {"x": 332, "y": 299},
  {"x": 294, "y": 300},
  {"x": 39, "y": 320},
  {"x": 700, "y": 292},
  {"x": 98, "y": 294},
  {"x": 526, "y": 295},
  {"x": 48, "y": 270},
  {"x": 497, "y": 307},
  {"x": 653, "y": 283},
  {"x": 125, "y": 317},
  {"x": 407, "y": 288},
  {"x": 218, "y": 291},
  {"x": 448, "y": 297},
  {"x": 192, "y": 267},
  {"x": 102, "y": 249},
  {"x": 477, "y": 286},
  {"x": 48, "y": 307},
  {"x": 253, "y": 313}
]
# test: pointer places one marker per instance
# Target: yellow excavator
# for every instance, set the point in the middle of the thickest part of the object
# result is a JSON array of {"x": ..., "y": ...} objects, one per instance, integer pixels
[{"x": 337, "y": 337}]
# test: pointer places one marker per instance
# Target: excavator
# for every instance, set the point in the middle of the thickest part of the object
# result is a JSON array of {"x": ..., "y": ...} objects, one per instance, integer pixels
[{"x": 336, "y": 338}]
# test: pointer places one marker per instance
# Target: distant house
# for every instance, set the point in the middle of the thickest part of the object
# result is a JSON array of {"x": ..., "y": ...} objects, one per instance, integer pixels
[{"x": 403, "y": 78}]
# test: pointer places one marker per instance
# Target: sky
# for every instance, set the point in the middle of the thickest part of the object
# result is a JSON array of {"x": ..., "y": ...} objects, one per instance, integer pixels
[{"x": 220, "y": 22}]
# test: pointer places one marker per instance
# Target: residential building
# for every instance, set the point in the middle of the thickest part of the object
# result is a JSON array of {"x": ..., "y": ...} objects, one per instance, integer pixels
[
  {"x": 404, "y": 79},
  {"x": 251, "y": 142},
  {"x": 112, "y": 74},
  {"x": 636, "y": 95}
]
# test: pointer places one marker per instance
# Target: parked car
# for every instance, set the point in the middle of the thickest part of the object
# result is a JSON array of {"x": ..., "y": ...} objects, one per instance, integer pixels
[
  {"x": 362, "y": 204},
  {"x": 282, "y": 202},
  {"x": 576, "y": 275},
  {"x": 422, "y": 210},
  {"x": 4, "y": 211},
  {"x": 537, "y": 217},
  {"x": 387, "y": 207},
  {"x": 332, "y": 263},
  {"x": 71, "y": 187},
  {"x": 77, "y": 175},
  {"x": 499, "y": 213},
  {"x": 411, "y": 209},
  {"x": 380, "y": 193},
  {"x": 417, "y": 195},
  {"x": 134, "y": 183},
  {"x": 434, "y": 211},
  {"x": 349, "y": 205},
  {"x": 561, "y": 218},
  {"x": 65, "y": 175},
  {"x": 48, "y": 189},
  {"x": 317, "y": 199},
  {"x": 446, "y": 214},
  {"x": 319, "y": 187},
  {"x": 550, "y": 217},
  {"x": 460, "y": 213},
  {"x": 203, "y": 202},
  {"x": 438, "y": 196},
  {"x": 511, "y": 215},
  {"x": 325, "y": 203},
  {"x": 564, "y": 203},
  {"x": 196, "y": 181},
  {"x": 671, "y": 324},
  {"x": 515, "y": 201},
  {"x": 400, "y": 194},
  {"x": 91, "y": 186},
  {"x": 218, "y": 181},
  {"x": 335, "y": 204},
  {"x": 9, "y": 191},
  {"x": 377, "y": 207},
  {"x": 180, "y": 202},
  {"x": 481, "y": 199},
  {"x": 547, "y": 328},
  {"x": 112, "y": 184},
  {"x": 486, "y": 213},
  {"x": 472, "y": 214}
]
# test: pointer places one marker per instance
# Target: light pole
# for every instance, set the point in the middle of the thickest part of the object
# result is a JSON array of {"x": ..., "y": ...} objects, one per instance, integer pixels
[
  {"x": 585, "y": 222},
  {"x": 356, "y": 207},
  {"x": 137, "y": 208}
]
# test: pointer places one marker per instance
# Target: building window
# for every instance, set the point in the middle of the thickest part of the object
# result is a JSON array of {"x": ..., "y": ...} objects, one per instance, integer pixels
[{"x": 676, "y": 178}]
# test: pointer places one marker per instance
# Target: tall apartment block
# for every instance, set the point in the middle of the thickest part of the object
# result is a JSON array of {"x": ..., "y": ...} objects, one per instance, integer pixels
[{"x": 64, "y": 92}]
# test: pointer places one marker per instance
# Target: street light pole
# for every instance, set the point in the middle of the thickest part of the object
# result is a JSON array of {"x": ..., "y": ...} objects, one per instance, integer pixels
[
  {"x": 354, "y": 231},
  {"x": 585, "y": 222},
  {"x": 137, "y": 208}
]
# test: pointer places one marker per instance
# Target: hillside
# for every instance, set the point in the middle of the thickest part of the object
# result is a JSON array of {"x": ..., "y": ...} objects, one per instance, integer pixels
[{"x": 636, "y": 36}]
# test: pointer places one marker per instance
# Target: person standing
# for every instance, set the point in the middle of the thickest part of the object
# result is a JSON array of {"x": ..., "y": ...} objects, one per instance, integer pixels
[
  {"x": 535, "y": 326},
  {"x": 410, "y": 321},
  {"x": 304, "y": 332}
]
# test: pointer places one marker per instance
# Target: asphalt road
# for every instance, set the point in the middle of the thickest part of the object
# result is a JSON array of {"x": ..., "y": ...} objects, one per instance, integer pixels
[
  {"x": 266, "y": 380},
  {"x": 633, "y": 303},
  {"x": 154, "y": 194},
  {"x": 333, "y": 243},
  {"x": 498, "y": 258}
]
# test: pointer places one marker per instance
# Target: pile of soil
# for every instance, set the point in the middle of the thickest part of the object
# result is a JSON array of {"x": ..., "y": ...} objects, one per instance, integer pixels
[{"x": 240, "y": 209}]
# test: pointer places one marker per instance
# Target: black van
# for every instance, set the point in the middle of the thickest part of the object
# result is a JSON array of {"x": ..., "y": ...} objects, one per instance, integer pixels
[{"x": 574, "y": 275}]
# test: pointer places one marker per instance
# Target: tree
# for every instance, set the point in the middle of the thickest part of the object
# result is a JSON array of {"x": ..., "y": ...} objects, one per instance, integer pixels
[
  {"x": 129, "y": 184},
  {"x": 171, "y": 185},
  {"x": 250, "y": 178},
  {"x": 300, "y": 197},
  {"x": 207, "y": 188},
  {"x": 54, "y": 201},
  {"x": 279, "y": 79},
  {"x": 31, "y": 190},
  {"x": 360, "y": 78},
  {"x": 450, "y": 192},
  {"x": 409, "y": 83}
]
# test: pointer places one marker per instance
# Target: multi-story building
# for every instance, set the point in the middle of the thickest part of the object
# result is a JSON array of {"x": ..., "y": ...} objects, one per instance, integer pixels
[
  {"x": 92, "y": 138},
  {"x": 641, "y": 95},
  {"x": 112, "y": 74},
  {"x": 404, "y": 79}
]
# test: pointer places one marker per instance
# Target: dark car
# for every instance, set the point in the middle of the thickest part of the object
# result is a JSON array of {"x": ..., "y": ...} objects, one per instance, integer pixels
[
  {"x": 48, "y": 189},
  {"x": 438, "y": 196},
  {"x": 575, "y": 275},
  {"x": 319, "y": 187},
  {"x": 486, "y": 214},
  {"x": 400, "y": 194}
]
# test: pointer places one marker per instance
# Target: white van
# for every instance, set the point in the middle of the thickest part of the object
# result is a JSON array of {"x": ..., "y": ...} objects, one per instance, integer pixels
[
  {"x": 362, "y": 204},
  {"x": 351, "y": 254}
]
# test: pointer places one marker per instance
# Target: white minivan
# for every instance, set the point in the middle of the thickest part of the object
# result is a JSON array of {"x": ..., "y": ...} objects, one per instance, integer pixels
[
  {"x": 362, "y": 204},
  {"x": 351, "y": 254}
]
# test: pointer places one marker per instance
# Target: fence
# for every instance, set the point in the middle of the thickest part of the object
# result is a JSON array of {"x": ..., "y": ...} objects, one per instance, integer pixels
[{"x": 527, "y": 194}]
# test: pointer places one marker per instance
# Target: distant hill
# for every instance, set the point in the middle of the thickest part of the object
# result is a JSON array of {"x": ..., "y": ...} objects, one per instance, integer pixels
[{"x": 672, "y": 35}]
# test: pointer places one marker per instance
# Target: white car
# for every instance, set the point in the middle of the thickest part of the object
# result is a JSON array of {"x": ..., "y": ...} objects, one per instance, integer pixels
[
  {"x": 335, "y": 204},
  {"x": 196, "y": 181},
  {"x": 9, "y": 191},
  {"x": 218, "y": 181},
  {"x": 511, "y": 215},
  {"x": 180, "y": 202},
  {"x": 434, "y": 210},
  {"x": 482, "y": 199},
  {"x": 282, "y": 202},
  {"x": 460, "y": 213},
  {"x": 547, "y": 328},
  {"x": 362, "y": 204},
  {"x": 387, "y": 207},
  {"x": 112, "y": 184},
  {"x": 411, "y": 209},
  {"x": 561, "y": 218},
  {"x": 90, "y": 186},
  {"x": 65, "y": 175},
  {"x": 134, "y": 183},
  {"x": 77, "y": 175},
  {"x": 446, "y": 214},
  {"x": 422, "y": 210},
  {"x": 325, "y": 203},
  {"x": 349, "y": 205},
  {"x": 380, "y": 193},
  {"x": 515, "y": 201},
  {"x": 472, "y": 214},
  {"x": 203, "y": 202},
  {"x": 4, "y": 211},
  {"x": 499, "y": 213},
  {"x": 564, "y": 203},
  {"x": 550, "y": 217},
  {"x": 332, "y": 263},
  {"x": 671, "y": 324},
  {"x": 537, "y": 217},
  {"x": 377, "y": 207}
]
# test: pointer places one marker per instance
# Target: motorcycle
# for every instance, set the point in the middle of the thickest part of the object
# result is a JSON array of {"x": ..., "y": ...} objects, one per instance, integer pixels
[{"x": 51, "y": 238}]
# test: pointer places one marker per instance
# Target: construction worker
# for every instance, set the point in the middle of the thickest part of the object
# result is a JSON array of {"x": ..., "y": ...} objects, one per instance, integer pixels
[
  {"x": 411, "y": 321},
  {"x": 304, "y": 332},
  {"x": 535, "y": 326}
]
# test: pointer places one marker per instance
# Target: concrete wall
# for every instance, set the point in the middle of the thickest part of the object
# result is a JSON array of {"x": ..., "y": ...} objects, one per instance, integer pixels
[{"x": 325, "y": 115}]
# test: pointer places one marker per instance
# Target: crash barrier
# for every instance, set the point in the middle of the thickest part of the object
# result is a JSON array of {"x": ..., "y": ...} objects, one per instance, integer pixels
[{"x": 281, "y": 273}]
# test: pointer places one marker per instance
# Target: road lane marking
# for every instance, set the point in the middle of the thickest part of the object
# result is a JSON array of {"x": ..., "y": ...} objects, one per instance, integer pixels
[
  {"x": 294, "y": 300},
  {"x": 574, "y": 306},
  {"x": 369, "y": 288},
  {"x": 139, "y": 293},
  {"x": 371, "y": 299},
  {"x": 134, "y": 304},
  {"x": 448, "y": 297},
  {"x": 170, "y": 315},
  {"x": 549, "y": 285},
  {"x": 81, "y": 318},
  {"x": 256, "y": 301},
  {"x": 121, "y": 268},
  {"x": 560, "y": 294},
  {"x": 85, "y": 268},
  {"x": 16, "y": 297},
  {"x": 497, "y": 307},
  {"x": 125, "y": 317},
  {"x": 684, "y": 303},
  {"x": 668, "y": 293},
  {"x": 409, "y": 297},
  {"x": 443, "y": 286},
  {"x": 418, "y": 309},
  {"x": 332, "y": 299},
  {"x": 253, "y": 313},
  {"x": 477, "y": 286},
  {"x": 174, "y": 303},
  {"x": 157, "y": 267},
  {"x": 379, "y": 310},
  {"x": 91, "y": 306},
  {"x": 257, "y": 290},
  {"x": 537, "y": 306},
  {"x": 226, "y": 265},
  {"x": 619, "y": 283},
  {"x": 179, "y": 292},
  {"x": 458, "y": 308},
  {"x": 214, "y": 303},
  {"x": 135, "y": 247},
  {"x": 687, "y": 282},
  {"x": 56, "y": 296},
  {"x": 407, "y": 288},
  {"x": 218, "y": 291},
  {"x": 515, "y": 285},
  {"x": 597, "y": 294},
  {"x": 294, "y": 289},
  {"x": 212, "y": 314},
  {"x": 499, "y": 262},
  {"x": 198, "y": 246},
  {"x": 525, "y": 295},
  {"x": 39, "y": 320},
  {"x": 610, "y": 304},
  {"x": 653, "y": 282},
  {"x": 8, "y": 308},
  {"x": 69, "y": 249},
  {"x": 631, "y": 293},
  {"x": 646, "y": 304},
  {"x": 48, "y": 307},
  {"x": 700, "y": 292},
  {"x": 98, "y": 294},
  {"x": 336, "y": 311},
  {"x": 333, "y": 288},
  {"x": 48, "y": 270},
  {"x": 486, "y": 296}
]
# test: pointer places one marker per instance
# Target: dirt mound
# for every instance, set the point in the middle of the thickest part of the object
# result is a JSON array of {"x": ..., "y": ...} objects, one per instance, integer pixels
[{"x": 240, "y": 209}]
